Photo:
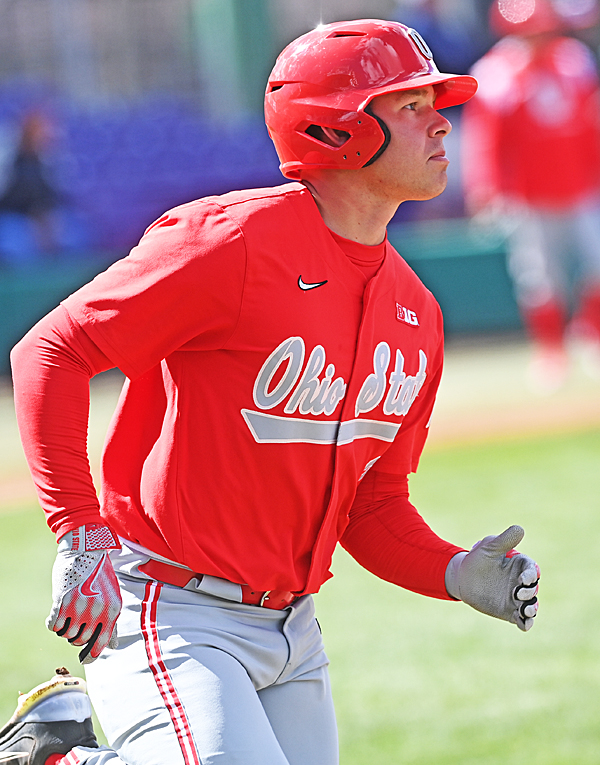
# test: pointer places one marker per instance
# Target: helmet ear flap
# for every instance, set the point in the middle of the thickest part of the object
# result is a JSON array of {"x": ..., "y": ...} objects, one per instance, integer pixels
[{"x": 386, "y": 133}]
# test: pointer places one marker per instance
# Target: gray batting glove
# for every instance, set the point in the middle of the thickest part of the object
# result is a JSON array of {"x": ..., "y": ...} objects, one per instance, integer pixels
[
  {"x": 496, "y": 579},
  {"x": 85, "y": 591}
]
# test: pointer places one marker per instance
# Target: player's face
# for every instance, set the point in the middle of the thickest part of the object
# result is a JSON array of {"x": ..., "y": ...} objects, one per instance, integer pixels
[{"x": 414, "y": 164}]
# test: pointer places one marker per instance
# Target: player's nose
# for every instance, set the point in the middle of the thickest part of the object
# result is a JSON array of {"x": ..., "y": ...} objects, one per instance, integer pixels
[{"x": 440, "y": 126}]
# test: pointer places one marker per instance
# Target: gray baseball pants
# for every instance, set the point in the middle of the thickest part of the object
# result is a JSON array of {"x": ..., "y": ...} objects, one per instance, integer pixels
[{"x": 201, "y": 680}]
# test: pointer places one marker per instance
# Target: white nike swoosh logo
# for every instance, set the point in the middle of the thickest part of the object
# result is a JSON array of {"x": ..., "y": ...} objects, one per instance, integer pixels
[{"x": 304, "y": 286}]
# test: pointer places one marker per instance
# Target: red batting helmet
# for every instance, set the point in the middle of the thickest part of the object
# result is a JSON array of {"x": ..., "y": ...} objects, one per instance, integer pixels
[{"x": 327, "y": 78}]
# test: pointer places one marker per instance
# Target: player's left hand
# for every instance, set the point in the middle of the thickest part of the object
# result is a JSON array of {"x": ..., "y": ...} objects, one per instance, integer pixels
[{"x": 496, "y": 579}]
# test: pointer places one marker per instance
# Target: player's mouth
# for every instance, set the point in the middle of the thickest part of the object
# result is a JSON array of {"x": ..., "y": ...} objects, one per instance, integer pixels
[{"x": 440, "y": 156}]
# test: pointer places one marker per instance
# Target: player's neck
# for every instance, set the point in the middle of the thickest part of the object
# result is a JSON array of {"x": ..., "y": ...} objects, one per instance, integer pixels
[{"x": 348, "y": 208}]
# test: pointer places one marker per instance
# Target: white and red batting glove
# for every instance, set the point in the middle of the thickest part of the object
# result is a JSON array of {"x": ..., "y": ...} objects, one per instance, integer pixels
[
  {"x": 496, "y": 579},
  {"x": 85, "y": 591}
]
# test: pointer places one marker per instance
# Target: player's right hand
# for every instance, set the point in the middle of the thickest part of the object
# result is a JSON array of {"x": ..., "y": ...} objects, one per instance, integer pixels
[{"x": 85, "y": 591}]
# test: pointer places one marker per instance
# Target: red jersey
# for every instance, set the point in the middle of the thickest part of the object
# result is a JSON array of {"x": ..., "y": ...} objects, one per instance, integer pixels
[
  {"x": 532, "y": 132},
  {"x": 265, "y": 385}
]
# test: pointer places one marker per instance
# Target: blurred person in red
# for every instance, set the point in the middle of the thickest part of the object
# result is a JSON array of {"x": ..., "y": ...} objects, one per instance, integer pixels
[{"x": 531, "y": 160}]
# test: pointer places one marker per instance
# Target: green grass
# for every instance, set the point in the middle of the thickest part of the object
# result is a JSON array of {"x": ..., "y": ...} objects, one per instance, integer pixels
[
  {"x": 419, "y": 681},
  {"x": 28, "y": 551}
]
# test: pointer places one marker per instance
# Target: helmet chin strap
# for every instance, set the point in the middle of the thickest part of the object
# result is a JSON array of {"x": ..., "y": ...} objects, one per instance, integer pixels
[{"x": 386, "y": 133}]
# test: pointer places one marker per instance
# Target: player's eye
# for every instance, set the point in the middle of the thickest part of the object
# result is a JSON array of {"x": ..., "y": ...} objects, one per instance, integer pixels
[{"x": 412, "y": 106}]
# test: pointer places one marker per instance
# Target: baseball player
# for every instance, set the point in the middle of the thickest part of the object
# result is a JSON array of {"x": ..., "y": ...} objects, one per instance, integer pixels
[
  {"x": 282, "y": 362},
  {"x": 532, "y": 161}
]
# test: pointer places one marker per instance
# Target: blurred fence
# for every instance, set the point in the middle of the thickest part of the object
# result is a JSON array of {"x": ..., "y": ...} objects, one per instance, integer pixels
[{"x": 99, "y": 51}]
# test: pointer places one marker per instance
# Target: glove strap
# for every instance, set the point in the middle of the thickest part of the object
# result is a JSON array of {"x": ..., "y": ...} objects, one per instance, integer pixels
[{"x": 92, "y": 536}]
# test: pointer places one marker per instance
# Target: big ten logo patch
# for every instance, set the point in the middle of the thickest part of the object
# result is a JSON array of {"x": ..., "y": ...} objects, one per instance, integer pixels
[{"x": 406, "y": 315}]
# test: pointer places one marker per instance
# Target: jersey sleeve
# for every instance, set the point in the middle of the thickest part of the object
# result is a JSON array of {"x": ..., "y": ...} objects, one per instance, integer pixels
[
  {"x": 52, "y": 366},
  {"x": 389, "y": 538},
  {"x": 181, "y": 284}
]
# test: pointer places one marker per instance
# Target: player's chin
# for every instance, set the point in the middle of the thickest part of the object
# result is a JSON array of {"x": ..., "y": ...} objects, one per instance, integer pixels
[{"x": 433, "y": 189}]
